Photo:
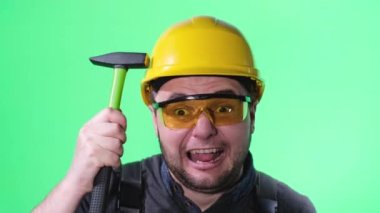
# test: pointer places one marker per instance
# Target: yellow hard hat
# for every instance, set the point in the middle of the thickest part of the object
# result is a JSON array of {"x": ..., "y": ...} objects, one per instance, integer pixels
[{"x": 201, "y": 46}]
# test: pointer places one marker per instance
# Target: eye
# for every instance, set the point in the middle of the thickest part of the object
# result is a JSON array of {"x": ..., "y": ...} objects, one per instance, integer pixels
[
  {"x": 223, "y": 109},
  {"x": 181, "y": 112}
]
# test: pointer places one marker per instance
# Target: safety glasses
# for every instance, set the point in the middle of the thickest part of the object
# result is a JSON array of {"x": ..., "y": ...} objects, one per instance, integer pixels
[{"x": 221, "y": 109}]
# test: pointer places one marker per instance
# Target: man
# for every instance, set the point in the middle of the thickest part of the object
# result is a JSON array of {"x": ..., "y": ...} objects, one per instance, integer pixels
[{"x": 202, "y": 89}]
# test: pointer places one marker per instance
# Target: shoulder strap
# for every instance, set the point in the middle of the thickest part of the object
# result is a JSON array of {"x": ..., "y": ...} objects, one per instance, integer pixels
[
  {"x": 266, "y": 190},
  {"x": 131, "y": 189}
]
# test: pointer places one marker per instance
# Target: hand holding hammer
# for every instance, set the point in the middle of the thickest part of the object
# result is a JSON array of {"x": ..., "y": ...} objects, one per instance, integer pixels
[{"x": 121, "y": 62}]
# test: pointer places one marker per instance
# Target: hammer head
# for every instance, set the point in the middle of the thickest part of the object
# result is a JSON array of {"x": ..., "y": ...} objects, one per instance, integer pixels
[{"x": 122, "y": 59}]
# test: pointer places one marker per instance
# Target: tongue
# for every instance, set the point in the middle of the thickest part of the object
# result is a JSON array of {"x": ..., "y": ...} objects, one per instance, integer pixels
[{"x": 204, "y": 157}]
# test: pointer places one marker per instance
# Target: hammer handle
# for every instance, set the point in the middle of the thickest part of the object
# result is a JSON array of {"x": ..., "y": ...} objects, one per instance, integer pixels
[
  {"x": 102, "y": 179},
  {"x": 100, "y": 190},
  {"x": 117, "y": 87}
]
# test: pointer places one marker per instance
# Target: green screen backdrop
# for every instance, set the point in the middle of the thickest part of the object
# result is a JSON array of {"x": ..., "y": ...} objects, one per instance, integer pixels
[{"x": 317, "y": 126}]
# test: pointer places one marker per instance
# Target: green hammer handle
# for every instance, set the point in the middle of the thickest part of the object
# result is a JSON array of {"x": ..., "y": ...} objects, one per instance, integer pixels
[{"x": 117, "y": 87}]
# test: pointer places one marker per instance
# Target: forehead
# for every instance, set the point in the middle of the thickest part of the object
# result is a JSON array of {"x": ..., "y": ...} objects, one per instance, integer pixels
[{"x": 198, "y": 85}]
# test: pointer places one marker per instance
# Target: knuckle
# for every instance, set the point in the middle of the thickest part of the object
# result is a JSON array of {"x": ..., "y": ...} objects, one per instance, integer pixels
[
  {"x": 121, "y": 151},
  {"x": 106, "y": 113},
  {"x": 85, "y": 138},
  {"x": 83, "y": 130},
  {"x": 107, "y": 110},
  {"x": 124, "y": 119},
  {"x": 118, "y": 142},
  {"x": 85, "y": 133},
  {"x": 115, "y": 160},
  {"x": 117, "y": 147},
  {"x": 123, "y": 138},
  {"x": 117, "y": 128},
  {"x": 121, "y": 129}
]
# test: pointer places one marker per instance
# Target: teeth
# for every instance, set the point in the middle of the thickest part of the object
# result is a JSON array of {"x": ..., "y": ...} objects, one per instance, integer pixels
[{"x": 204, "y": 151}]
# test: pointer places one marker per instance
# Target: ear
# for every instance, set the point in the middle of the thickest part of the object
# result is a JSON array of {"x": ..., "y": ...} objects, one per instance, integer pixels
[
  {"x": 252, "y": 113},
  {"x": 154, "y": 118}
]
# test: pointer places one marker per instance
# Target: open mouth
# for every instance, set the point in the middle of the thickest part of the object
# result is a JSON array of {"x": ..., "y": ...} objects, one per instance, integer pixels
[{"x": 205, "y": 155}]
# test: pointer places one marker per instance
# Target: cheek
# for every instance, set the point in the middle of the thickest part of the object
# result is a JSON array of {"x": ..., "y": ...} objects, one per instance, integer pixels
[
  {"x": 237, "y": 135},
  {"x": 171, "y": 140}
]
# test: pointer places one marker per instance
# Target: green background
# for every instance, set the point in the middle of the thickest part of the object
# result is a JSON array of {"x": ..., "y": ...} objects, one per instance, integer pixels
[{"x": 317, "y": 126}]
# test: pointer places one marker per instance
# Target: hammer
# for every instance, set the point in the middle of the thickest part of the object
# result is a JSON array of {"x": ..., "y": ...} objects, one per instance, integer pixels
[{"x": 121, "y": 62}]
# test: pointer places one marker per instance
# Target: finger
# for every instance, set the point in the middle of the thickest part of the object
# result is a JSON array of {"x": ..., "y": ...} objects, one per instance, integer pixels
[
  {"x": 113, "y": 130},
  {"x": 110, "y": 115},
  {"x": 94, "y": 142},
  {"x": 110, "y": 144},
  {"x": 107, "y": 158}
]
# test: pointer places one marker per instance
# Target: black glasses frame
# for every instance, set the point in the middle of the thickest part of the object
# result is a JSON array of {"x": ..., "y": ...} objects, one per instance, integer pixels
[{"x": 243, "y": 98}]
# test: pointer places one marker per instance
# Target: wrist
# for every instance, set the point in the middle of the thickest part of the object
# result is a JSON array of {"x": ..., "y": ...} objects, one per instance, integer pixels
[{"x": 75, "y": 185}]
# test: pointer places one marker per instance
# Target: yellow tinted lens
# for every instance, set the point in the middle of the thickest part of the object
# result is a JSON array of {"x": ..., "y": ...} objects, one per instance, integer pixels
[
  {"x": 179, "y": 115},
  {"x": 227, "y": 111},
  {"x": 221, "y": 111}
]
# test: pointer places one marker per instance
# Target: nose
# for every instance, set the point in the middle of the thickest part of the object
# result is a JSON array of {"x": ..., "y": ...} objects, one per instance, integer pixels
[{"x": 204, "y": 128}]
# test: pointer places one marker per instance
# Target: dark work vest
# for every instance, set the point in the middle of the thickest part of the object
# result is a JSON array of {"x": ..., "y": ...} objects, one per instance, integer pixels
[{"x": 139, "y": 188}]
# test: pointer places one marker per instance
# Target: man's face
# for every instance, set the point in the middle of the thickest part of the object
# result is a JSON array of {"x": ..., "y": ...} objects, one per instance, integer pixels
[{"x": 204, "y": 158}]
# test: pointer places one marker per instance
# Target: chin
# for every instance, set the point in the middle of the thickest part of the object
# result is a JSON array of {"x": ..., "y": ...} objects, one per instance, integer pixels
[{"x": 213, "y": 181}]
